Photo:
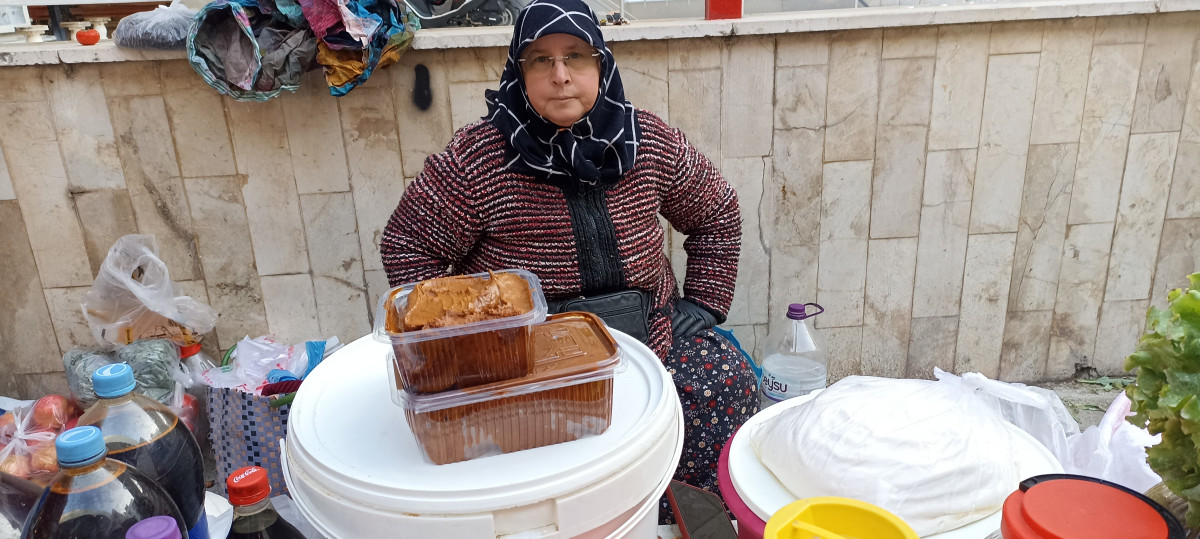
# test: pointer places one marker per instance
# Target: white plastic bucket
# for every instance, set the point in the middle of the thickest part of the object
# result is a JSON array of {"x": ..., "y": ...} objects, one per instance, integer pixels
[{"x": 354, "y": 470}]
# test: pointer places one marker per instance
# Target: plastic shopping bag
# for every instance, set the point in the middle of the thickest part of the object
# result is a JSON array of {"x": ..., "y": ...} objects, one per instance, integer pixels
[
  {"x": 133, "y": 298},
  {"x": 164, "y": 27},
  {"x": 1037, "y": 411},
  {"x": 27, "y": 437},
  {"x": 1115, "y": 450}
]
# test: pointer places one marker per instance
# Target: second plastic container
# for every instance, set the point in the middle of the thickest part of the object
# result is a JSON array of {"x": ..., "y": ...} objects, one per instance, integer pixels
[
  {"x": 567, "y": 396},
  {"x": 141, "y": 432}
]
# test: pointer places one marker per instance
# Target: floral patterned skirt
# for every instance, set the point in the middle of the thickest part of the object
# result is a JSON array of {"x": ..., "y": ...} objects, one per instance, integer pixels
[{"x": 718, "y": 392}]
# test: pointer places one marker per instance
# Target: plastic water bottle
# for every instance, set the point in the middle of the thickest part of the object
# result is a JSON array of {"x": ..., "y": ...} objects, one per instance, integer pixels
[
  {"x": 17, "y": 497},
  {"x": 143, "y": 433},
  {"x": 795, "y": 364},
  {"x": 253, "y": 515},
  {"x": 93, "y": 496}
]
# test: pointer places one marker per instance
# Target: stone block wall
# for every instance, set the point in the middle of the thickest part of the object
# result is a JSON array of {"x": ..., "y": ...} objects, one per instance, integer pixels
[{"x": 1006, "y": 197}]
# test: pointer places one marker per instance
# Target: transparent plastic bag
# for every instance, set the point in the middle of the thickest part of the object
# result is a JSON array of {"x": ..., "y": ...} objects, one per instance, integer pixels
[
  {"x": 133, "y": 298},
  {"x": 1037, "y": 411},
  {"x": 164, "y": 27},
  {"x": 1114, "y": 450},
  {"x": 27, "y": 437}
]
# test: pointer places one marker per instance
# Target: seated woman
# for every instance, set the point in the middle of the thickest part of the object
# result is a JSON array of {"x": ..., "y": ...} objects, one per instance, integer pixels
[{"x": 566, "y": 179}]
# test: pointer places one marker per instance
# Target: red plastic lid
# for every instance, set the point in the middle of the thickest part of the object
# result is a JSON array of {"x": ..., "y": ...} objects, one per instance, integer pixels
[
  {"x": 248, "y": 486},
  {"x": 189, "y": 350},
  {"x": 1070, "y": 508}
]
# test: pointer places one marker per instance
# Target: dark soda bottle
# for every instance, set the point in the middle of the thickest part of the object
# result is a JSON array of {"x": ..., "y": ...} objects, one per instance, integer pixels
[
  {"x": 95, "y": 497},
  {"x": 143, "y": 433},
  {"x": 253, "y": 515},
  {"x": 17, "y": 497},
  {"x": 160, "y": 527}
]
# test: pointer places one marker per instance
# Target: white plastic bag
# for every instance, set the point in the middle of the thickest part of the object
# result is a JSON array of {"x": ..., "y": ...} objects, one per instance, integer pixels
[
  {"x": 164, "y": 27},
  {"x": 252, "y": 360},
  {"x": 1037, "y": 411},
  {"x": 932, "y": 453},
  {"x": 1115, "y": 450},
  {"x": 133, "y": 298}
]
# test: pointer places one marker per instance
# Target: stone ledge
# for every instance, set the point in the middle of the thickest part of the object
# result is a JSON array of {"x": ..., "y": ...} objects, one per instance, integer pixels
[{"x": 768, "y": 23}]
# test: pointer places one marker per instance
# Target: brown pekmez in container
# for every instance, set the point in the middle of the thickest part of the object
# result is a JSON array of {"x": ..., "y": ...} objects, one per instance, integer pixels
[
  {"x": 458, "y": 352},
  {"x": 566, "y": 397}
]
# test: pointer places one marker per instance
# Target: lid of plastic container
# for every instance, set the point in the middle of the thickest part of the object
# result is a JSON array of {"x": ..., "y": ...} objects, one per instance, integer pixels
[
  {"x": 80, "y": 446},
  {"x": 568, "y": 349},
  {"x": 113, "y": 380},
  {"x": 248, "y": 485},
  {"x": 189, "y": 350},
  {"x": 160, "y": 527},
  {"x": 1062, "y": 505},
  {"x": 391, "y": 303},
  {"x": 347, "y": 439}
]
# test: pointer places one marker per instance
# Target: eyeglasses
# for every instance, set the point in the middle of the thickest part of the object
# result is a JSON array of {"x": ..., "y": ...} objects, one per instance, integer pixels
[{"x": 577, "y": 62}]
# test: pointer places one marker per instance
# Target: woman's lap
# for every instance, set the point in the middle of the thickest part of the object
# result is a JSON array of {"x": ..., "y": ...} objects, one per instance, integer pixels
[{"x": 717, "y": 390}]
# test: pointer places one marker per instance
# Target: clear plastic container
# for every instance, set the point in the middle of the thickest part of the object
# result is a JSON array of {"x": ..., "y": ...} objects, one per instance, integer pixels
[
  {"x": 567, "y": 396},
  {"x": 94, "y": 496},
  {"x": 461, "y": 356},
  {"x": 141, "y": 432}
]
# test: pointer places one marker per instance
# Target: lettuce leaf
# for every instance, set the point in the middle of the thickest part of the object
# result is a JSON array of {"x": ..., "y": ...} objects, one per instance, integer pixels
[{"x": 1166, "y": 392}]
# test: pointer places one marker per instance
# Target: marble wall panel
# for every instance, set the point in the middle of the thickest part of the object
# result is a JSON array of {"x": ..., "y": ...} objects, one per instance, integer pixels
[
  {"x": 1140, "y": 216},
  {"x": 853, "y": 95},
  {"x": 1104, "y": 135},
  {"x": 986, "y": 280},
  {"x": 1046, "y": 200},
  {"x": 1003, "y": 143}
]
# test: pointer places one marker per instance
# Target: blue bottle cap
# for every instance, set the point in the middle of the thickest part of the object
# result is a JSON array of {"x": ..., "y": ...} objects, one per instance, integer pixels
[
  {"x": 113, "y": 380},
  {"x": 80, "y": 446}
]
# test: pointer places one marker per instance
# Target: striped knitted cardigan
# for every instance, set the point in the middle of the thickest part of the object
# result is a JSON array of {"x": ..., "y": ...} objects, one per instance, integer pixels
[{"x": 467, "y": 213}]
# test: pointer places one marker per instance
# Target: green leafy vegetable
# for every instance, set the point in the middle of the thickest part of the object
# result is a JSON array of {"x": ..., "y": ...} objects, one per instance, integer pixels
[{"x": 1166, "y": 392}]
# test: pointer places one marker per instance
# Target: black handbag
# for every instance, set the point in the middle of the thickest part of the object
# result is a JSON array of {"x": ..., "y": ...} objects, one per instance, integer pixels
[{"x": 627, "y": 310}]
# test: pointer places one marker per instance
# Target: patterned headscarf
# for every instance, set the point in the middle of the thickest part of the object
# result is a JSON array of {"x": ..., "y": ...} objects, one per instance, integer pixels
[{"x": 601, "y": 146}]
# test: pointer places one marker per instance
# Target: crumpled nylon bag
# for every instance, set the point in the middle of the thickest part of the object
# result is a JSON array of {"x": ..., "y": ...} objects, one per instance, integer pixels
[
  {"x": 248, "y": 53},
  {"x": 133, "y": 298},
  {"x": 164, "y": 27}
]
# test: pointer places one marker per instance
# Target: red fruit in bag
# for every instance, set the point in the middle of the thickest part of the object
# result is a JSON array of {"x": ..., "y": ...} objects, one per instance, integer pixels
[
  {"x": 8, "y": 427},
  {"x": 52, "y": 412},
  {"x": 15, "y": 464},
  {"x": 44, "y": 458}
]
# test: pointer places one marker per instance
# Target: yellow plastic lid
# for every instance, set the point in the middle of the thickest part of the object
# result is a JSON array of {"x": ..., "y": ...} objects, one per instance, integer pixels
[{"x": 833, "y": 517}]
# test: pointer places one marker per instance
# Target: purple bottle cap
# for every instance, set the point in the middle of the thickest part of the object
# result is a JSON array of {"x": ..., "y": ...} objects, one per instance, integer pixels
[
  {"x": 160, "y": 527},
  {"x": 796, "y": 311}
]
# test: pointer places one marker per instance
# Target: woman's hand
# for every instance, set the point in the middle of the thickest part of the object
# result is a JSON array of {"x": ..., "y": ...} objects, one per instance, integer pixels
[{"x": 690, "y": 319}]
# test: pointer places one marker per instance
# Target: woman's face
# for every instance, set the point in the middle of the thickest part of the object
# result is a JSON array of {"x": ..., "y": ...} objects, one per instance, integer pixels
[{"x": 561, "y": 91}]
